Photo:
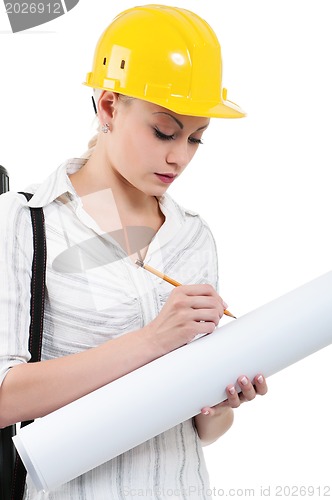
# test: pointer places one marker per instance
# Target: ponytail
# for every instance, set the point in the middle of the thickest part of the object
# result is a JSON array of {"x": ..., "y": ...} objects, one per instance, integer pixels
[{"x": 91, "y": 146}]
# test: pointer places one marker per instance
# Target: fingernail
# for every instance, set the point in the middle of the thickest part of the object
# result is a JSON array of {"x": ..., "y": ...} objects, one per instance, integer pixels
[
  {"x": 260, "y": 379},
  {"x": 231, "y": 390},
  {"x": 224, "y": 304},
  {"x": 244, "y": 380},
  {"x": 206, "y": 412}
]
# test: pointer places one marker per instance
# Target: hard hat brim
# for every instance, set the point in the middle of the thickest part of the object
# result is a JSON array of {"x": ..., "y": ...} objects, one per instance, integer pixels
[{"x": 223, "y": 109}]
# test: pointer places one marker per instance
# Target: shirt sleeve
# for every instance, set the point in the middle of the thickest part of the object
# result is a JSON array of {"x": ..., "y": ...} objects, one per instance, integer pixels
[{"x": 16, "y": 251}]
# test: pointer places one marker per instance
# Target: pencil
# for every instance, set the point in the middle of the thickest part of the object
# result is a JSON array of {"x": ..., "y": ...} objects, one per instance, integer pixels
[{"x": 169, "y": 280}]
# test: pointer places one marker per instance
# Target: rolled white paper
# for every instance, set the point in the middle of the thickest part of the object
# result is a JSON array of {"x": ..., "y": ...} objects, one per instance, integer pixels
[{"x": 98, "y": 427}]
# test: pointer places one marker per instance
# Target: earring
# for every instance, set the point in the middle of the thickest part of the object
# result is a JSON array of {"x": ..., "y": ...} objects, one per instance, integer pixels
[{"x": 105, "y": 128}]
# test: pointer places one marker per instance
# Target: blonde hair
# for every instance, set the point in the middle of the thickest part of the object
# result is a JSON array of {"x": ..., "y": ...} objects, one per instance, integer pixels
[
  {"x": 91, "y": 145},
  {"x": 93, "y": 141}
]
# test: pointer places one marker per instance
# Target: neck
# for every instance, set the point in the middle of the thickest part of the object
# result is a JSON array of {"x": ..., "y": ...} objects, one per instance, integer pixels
[
  {"x": 98, "y": 175},
  {"x": 103, "y": 192}
]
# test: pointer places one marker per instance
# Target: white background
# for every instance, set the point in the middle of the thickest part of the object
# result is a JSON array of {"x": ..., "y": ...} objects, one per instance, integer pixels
[{"x": 263, "y": 183}]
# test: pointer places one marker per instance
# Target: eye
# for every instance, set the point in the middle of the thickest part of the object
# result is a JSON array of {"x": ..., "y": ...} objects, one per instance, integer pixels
[
  {"x": 193, "y": 140},
  {"x": 163, "y": 137}
]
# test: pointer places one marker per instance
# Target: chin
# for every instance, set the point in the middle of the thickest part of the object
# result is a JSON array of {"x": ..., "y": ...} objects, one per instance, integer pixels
[
  {"x": 159, "y": 192},
  {"x": 154, "y": 190}
]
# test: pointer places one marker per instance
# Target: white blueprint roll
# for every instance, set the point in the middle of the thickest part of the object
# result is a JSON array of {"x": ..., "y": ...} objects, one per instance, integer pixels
[{"x": 98, "y": 427}]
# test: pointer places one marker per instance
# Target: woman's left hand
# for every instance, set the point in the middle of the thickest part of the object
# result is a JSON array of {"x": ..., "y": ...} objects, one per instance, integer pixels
[{"x": 249, "y": 390}]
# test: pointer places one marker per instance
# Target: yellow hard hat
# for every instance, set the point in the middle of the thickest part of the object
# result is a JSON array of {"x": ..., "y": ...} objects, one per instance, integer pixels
[{"x": 165, "y": 55}]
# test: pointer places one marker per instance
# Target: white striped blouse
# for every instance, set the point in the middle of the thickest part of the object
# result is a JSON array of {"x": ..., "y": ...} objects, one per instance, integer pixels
[{"x": 94, "y": 294}]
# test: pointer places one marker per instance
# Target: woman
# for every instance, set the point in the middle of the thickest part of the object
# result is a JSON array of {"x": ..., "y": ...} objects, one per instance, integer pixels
[{"x": 104, "y": 316}]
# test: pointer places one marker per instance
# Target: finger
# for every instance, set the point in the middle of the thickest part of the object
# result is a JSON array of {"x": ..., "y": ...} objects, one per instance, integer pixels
[
  {"x": 202, "y": 327},
  {"x": 206, "y": 315},
  {"x": 196, "y": 302},
  {"x": 233, "y": 399},
  {"x": 201, "y": 289},
  {"x": 260, "y": 385},
  {"x": 208, "y": 411},
  {"x": 248, "y": 390},
  {"x": 243, "y": 399},
  {"x": 205, "y": 302}
]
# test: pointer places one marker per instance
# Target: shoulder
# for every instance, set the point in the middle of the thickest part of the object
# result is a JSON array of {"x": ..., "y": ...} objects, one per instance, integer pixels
[
  {"x": 12, "y": 202},
  {"x": 13, "y": 211}
]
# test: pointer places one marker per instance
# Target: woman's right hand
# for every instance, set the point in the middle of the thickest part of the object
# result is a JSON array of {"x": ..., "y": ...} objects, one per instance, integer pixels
[{"x": 190, "y": 310}]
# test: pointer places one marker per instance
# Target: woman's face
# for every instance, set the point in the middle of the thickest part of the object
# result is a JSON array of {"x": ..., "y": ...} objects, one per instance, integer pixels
[{"x": 149, "y": 146}]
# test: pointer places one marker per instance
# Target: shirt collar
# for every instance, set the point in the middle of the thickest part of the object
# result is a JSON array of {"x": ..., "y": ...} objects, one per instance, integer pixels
[{"x": 57, "y": 184}]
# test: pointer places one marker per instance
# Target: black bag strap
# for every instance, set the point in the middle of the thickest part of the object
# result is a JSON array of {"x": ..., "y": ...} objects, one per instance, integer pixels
[
  {"x": 36, "y": 323},
  {"x": 7, "y": 461}
]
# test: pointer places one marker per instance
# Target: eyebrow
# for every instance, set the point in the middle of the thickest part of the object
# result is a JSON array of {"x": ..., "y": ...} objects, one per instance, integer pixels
[{"x": 176, "y": 120}]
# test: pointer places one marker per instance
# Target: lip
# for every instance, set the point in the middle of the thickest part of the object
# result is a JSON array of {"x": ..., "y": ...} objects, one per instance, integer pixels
[{"x": 166, "y": 178}]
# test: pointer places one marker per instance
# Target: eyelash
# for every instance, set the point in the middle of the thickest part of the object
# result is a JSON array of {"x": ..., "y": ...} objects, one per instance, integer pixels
[{"x": 165, "y": 137}]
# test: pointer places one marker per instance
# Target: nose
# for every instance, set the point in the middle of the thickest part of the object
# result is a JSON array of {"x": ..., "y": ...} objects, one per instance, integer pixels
[{"x": 179, "y": 154}]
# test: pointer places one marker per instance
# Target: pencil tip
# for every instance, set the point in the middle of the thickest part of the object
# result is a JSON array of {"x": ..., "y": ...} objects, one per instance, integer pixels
[
  {"x": 139, "y": 263},
  {"x": 229, "y": 314}
]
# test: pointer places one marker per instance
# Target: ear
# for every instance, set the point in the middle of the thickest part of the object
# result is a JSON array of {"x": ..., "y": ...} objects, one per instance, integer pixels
[{"x": 106, "y": 106}]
